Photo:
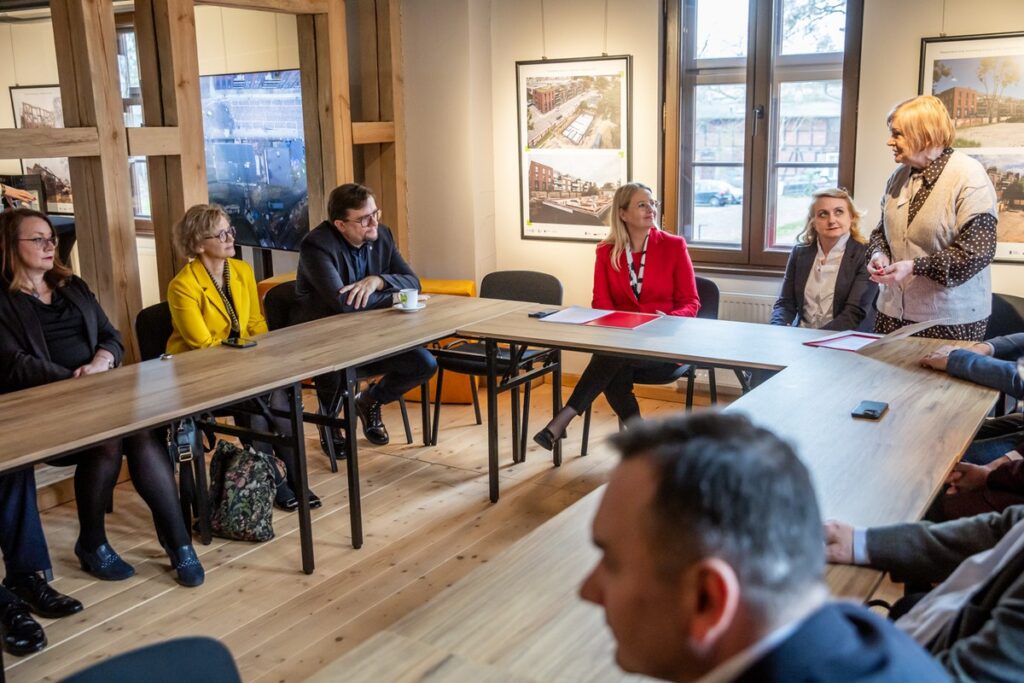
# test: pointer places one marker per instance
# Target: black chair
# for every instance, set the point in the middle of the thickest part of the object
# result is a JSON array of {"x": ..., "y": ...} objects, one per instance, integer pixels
[
  {"x": 470, "y": 358},
  {"x": 153, "y": 327},
  {"x": 279, "y": 304},
  {"x": 1007, "y": 318},
  {"x": 194, "y": 659},
  {"x": 707, "y": 292}
]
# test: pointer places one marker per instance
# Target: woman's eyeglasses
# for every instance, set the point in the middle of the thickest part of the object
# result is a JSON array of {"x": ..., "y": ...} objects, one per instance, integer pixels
[
  {"x": 222, "y": 236},
  {"x": 40, "y": 242}
]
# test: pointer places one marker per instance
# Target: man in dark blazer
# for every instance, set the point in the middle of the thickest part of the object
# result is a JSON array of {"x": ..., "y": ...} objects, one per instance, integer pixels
[
  {"x": 712, "y": 565},
  {"x": 349, "y": 263},
  {"x": 981, "y": 639}
]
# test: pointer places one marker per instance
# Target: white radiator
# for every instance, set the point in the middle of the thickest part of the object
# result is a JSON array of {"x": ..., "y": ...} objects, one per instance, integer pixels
[{"x": 746, "y": 308}]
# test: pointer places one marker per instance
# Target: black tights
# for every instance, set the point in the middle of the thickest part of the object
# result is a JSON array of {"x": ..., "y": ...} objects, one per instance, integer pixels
[{"x": 152, "y": 476}]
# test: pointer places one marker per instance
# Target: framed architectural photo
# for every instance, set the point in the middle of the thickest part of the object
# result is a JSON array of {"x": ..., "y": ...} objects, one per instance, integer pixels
[
  {"x": 39, "y": 106},
  {"x": 980, "y": 79},
  {"x": 574, "y": 144}
]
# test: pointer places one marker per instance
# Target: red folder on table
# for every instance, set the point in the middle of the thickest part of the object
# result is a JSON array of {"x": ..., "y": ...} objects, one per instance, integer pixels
[{"x": 623, "y": 320}]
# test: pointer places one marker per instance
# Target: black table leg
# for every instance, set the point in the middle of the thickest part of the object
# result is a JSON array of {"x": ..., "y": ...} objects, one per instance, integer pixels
[
  {"x": 352, "y": 463},
  {"x": 556, "y": 402},
  {"x": 294, "y": 393},
  {"x": 492, "y": 417}
]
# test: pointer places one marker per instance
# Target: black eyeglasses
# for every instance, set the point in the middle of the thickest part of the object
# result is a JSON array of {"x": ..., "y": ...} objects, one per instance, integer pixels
[
  {"x": 40, "y": 242},
  {"x": 366, "y": 220},
  {"x": 222, "y": 236}
]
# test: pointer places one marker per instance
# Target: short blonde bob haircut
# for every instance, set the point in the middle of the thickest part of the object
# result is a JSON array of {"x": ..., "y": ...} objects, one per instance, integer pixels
[
  {"x": 924, "y": 122},
  {"x": 810, "y": 236},
  {"x": 197, "y": 224},
  {"x": 618, "y": 235}
]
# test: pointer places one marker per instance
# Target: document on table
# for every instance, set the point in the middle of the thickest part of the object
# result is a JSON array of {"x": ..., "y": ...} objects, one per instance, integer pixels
[
  {"x": 858, "y": 341},
  {"x": 575, "y": 315}
]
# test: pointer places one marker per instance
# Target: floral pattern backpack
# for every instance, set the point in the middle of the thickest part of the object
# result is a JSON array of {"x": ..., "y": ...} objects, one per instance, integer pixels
[{"x": 242, "y": 486}]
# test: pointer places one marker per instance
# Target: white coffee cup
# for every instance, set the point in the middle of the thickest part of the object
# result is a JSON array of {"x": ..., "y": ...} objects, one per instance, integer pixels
[{"x": 409, "y": 298}]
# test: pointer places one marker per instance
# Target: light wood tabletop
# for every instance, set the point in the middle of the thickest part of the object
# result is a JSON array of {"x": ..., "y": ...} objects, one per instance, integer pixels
[
  {"x": 722, "y": 343},
  {"x": 61, "y": 417},
  {"x": 519, "y": 618}
]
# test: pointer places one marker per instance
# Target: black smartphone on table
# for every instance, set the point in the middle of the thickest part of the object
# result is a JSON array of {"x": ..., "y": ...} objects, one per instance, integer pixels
[{"x": 870, "y": 410}]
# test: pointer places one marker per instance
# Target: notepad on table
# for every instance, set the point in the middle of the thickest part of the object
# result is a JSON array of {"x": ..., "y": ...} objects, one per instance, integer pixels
[{"x": 623, "y": 320}]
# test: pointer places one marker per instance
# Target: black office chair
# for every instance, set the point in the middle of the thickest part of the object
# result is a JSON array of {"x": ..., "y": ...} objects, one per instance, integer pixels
[
  {"x": 278, "y": 304},
  {"x": 194, "y": 659},
  {"x": 153, "y": 327},
  {"x": 1007, "y": 318},
  {"x": 469, "y": 358},
  {"x": 707, "y": 292}
]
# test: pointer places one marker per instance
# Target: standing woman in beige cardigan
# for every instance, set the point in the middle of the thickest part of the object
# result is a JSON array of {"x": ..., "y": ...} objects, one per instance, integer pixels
[{"x": 932, "y": 250}]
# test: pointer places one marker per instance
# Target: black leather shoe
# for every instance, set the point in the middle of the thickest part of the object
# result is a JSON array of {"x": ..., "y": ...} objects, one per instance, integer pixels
[
  {"x": 369, "y": 414},
  {"x": 288, "y": 503},
  {"x": 314, "y": 500},
  {"x": 41, "y": 598},
  {"x": 104, "y": 563},
  {"x": 22, "y": 635},
  {"x": 340, "y": 447},
  {"x": 545, "y": 439}
]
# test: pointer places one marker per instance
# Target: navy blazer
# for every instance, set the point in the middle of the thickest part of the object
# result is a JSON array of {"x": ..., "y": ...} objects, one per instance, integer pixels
[
  {"x": 854, "y": 293},
  {"x": 24, "y": 358},
  {"x": 325, "y": 266},
  {"x": 843, "y": 643}
]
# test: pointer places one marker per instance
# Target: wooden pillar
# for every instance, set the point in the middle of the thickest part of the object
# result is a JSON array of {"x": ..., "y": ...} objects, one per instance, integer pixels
[
  {"x": 392, "y": 108},
  {"x": 169, "y": 65},
  {"x": 327, "y": 114},
  {"x": 104, "y": 223}
]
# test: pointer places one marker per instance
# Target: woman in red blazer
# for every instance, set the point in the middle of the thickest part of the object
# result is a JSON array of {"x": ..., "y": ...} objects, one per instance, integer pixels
[{"x": 656, "y": 278}]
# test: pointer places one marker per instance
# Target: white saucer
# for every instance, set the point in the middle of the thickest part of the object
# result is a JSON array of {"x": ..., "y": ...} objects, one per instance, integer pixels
[{"x": 403, "y": 309}]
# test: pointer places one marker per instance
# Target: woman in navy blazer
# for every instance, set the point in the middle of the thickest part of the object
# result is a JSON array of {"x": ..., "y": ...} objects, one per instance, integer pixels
[
  {"x": 827, "y": 262},
  {"x": 638, "y": 268}
]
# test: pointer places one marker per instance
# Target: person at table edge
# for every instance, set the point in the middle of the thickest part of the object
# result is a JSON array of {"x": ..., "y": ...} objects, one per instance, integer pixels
[
  {"x": 349, "y": 263},
  {"x": 638, "y": 268}
]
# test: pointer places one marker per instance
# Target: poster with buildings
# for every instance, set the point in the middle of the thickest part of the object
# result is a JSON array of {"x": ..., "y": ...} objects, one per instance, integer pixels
[
  {"x": 40, "y": 107},
  {"x": 574, "y": 144},
  {"x": 980, "y": 80}
]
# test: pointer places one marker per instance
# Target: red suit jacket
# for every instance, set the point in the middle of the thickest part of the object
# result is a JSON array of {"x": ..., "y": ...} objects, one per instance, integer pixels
[{"x": 669, "y": 285}]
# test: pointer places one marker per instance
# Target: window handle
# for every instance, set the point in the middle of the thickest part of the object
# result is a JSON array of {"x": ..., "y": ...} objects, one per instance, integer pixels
[{"x": 758, "y": 115}]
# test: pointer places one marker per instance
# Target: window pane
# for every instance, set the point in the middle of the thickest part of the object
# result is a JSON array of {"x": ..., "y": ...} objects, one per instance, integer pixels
[
  {"x": 794, "y": 187},
  {"x": 717, "y": 207},
  {"x": 809, "y": 121},
  {"x": 721, "y": 29},
  {"x": 813, "y": 26},
  {"x": 719, "y": 122},
  {"x": 140, "y": 186}
]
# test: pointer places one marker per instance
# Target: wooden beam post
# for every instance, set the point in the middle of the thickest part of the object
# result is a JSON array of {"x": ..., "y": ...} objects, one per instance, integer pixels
[
  {"x": 392, "y": 108},
  {"x": 169, "y": 65},
  {"x": 87, "y": 62}
]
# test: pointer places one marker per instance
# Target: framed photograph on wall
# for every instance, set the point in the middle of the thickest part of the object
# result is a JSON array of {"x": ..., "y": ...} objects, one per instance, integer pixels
[
  {"x": 574, "y": 144},
  {"x": 980, "y": 79},
  {"x": 39, "y": 106}
]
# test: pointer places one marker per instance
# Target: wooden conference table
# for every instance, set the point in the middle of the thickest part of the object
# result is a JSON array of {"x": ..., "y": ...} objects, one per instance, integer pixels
[
  {"x": 519, "y": 618},
  {"x": 62, "y": 417}
]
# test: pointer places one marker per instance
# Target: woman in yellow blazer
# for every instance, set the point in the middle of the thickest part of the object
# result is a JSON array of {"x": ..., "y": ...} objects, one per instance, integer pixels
[{"x": 213, "y": 298}]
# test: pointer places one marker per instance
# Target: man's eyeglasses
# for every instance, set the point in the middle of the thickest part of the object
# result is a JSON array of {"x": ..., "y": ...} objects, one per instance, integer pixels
[
  {"x": 40, "y": 242},
  {"x": 222, "y": 236},
  {"x": 365, "y": 221}
]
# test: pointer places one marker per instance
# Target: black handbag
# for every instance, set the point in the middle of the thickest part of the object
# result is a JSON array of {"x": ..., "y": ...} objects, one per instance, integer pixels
[{"x": 187, "y": 452}]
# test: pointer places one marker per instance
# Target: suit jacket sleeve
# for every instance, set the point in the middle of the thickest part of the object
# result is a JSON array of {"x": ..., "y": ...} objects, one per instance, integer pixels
[
  {"x": 1009, "y": 476},
  {"x": 862, "y": 292},
  {"x": 395, "y": 272},
  {"x": 684, "y": 295},
  {"x": 1009, "y": 347},
  {"x": 924, "y": 552},
  {"x": 784, "y": 311},
  {"x": 987, "y": 371},
  {"x": 186, "y": 305},
  {"x": 20, "y": 369},
  {"x": 602, "y": 298},
  {"x": 257, "y": 324}
]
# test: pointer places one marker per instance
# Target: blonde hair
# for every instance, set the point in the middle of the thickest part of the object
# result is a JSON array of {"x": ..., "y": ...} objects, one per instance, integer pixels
[
  {"x": 618, "y": 235},
  {"x": 924, "y": 122},
  {"x": 12, "y": 270},
  {"x": 810, "y": 235},
  {"x": 196, "y": 225}
]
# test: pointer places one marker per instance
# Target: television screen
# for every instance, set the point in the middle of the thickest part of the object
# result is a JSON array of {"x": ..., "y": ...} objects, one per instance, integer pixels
[{"x": 256, "y": 155}]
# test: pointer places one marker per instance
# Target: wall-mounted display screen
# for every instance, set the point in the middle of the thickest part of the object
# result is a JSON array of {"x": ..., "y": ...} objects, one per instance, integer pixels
[{"x": 256, "y": 155}]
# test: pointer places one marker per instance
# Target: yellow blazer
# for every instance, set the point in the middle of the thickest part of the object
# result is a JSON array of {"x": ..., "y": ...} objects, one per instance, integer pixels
[{"x": 198, "y": 312}]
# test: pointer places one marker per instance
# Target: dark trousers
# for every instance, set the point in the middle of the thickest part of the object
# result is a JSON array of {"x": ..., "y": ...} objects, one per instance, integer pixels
[
  {"x": 400, "y": 374},
  {"x": 615, "y": 376},
  {"x": 21, "y": 533}
]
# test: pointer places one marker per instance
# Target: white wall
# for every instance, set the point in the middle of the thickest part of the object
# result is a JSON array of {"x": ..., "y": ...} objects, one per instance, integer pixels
[{"x": 890, "y": 62}]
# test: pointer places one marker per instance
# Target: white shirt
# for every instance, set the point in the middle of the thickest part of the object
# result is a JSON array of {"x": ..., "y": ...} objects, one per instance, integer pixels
[
  {"x": 820, "y": 289},
  {"x": 928, "y": 617}
]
